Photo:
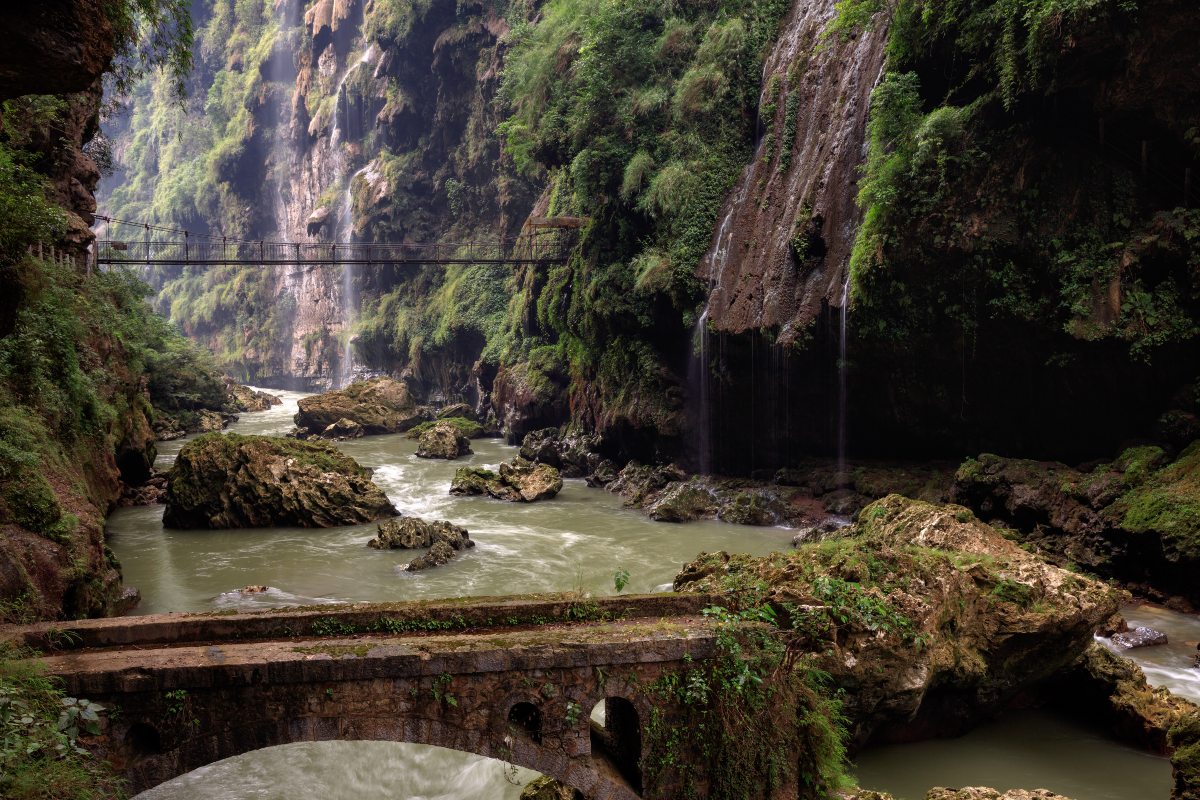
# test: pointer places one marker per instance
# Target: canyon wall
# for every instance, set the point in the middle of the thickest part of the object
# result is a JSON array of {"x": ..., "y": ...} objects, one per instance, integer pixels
[{"x": 809, "y": 227}]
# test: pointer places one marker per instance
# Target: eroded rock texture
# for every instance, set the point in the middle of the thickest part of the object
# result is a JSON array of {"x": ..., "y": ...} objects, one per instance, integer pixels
[{"x": 231, "y": 481}]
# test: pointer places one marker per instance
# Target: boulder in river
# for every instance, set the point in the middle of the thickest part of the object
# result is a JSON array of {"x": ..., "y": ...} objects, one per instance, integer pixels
[
  {"x": 441, "y": 553},
  {"x": 413, "y": 533},
  {"x": 232, "y": 481},
  {"x": 243, "y": 398},
  {"x": 962, "y": 617},
  {"x": 380, "y": 405},
  {"x": 443, "y": 440},
  {"x": 1141, "y": 636},
  {"x": 519, "y": 482}
]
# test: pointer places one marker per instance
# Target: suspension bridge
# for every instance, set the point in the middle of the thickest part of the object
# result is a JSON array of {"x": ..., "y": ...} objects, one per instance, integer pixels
[{"x": 544, "y": 241}]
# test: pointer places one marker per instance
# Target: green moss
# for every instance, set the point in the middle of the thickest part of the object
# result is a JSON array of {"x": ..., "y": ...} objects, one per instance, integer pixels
[
  {"x": 467, "y": 427},
  {"x": 1168, "y": 504},
  {"x": 1184, "y": 738}
]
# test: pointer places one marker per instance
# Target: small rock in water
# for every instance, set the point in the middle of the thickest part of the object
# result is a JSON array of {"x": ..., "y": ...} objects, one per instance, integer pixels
[
  {"x": 254, "y": 589},
  {"x": 413, "y": 533},
  {"x": 1140, "y": 636},
  {"x": 443, "y": 441},
  {"x": 441, "y": 553},
  {"x": 343, "y": 429}
]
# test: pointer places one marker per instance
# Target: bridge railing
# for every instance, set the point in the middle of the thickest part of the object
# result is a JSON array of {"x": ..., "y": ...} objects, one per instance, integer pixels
[{"x": 524, "y": 250}]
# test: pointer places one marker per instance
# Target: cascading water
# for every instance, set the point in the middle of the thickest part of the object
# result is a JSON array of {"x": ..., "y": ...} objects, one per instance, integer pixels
[
  {"x": 344, "y": 226},
  {"x": 700, "y": 367},
  {"x": 842, "y": 367}
]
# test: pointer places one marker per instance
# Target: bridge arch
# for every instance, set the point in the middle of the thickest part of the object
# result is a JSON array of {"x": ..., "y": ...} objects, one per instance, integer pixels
[{"x": 197, "y": 732}]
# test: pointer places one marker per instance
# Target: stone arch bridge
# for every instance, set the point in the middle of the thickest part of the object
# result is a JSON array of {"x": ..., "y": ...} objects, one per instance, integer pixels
[{"x": 514, "y": 679}]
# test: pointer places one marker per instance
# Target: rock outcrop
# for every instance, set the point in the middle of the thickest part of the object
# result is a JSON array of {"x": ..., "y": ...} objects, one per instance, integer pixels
[
  {"x": 518, "y": 482},
  {"x": 443, "y": 440},
  {"x": 243, "y": 398},
  {"x": 231, "y": 481},
  {"x": 380, "y": 405},
  {"x": 54, "y": 46},
  {"x": 964, "y": 618},
  {"x": 413, "y": 533},
  {"x": 575, "y": 455},
  {"x": 1136, "y": 519}
]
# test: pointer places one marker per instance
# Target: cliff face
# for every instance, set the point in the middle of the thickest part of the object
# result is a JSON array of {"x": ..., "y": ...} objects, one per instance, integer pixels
[
  {"x": 1017, "y": 252},
  {"x": 782, "y": 248},
  {"x": 333, "y": 121}
]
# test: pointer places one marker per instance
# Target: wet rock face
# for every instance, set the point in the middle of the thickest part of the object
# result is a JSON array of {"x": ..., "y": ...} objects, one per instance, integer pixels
[
  {"x": 576, "y": 455},
  {"x": 380, "y": 406},
  {"x": 443, "y": 441},
  {"x": 1113, "y": 690},
  {"x": 783, "y": 243},
  {"x": 53, "y": 46},
  {"x": 518, "y": 482},
  {"x": 231, "y": 481},
  {"x": 413, "y": 533},
  {"x": 1136, "y": 519},
  {"x": 964, "y": 618},
  {"x": 1140, "y": 636}
]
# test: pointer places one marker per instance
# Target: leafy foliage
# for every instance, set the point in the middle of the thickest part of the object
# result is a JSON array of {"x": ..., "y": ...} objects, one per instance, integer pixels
[{"x": 41, "y": 756}]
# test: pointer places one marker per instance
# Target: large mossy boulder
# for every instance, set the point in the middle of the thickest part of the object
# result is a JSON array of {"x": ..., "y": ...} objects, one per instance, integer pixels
[
  {"x": 929, "y": 619},
  {"x": 379, "y": 406},
  {"x": 1136, "y": 519},
  {"x": 518, "y": 482},
  {"x": 443, "y": 440},
  {"x": 232, "y": 481}
]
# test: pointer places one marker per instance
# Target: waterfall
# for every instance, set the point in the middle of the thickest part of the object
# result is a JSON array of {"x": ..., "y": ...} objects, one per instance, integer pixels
[
  {"x": 344, "y": 225},
  {"x": 842, "y": 367},
  {"x": 700, "y": 387}
]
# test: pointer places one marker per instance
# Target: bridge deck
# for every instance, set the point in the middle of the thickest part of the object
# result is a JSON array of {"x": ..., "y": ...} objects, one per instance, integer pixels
[{"x": 305, "y": 660}]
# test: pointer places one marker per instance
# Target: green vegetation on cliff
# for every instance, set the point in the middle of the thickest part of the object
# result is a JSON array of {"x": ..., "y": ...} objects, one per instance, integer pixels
[{"x": 958, "y": 177}]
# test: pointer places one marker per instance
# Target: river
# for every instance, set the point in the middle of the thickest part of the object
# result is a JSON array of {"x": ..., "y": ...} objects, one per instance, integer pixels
[{"x": 575, "y": 542}]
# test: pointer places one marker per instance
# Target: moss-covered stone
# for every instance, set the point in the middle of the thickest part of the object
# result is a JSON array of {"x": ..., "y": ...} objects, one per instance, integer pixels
[
  {"x": 380, "y": 406},
  {"x": 1136, "y": 519},
  {"x": 233, "y": 481},
  {"x": 443, "y": 441},
  {"x": 1184, "y": 739},
  {"x": 963, "y": 617},
  {"x": 518, "y": 481},
  {"x": 467, "y": 427}
]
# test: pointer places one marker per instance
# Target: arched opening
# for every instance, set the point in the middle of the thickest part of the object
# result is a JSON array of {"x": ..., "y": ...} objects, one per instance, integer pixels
[
  {"x": 143, "y": 739},
  {"x": 526, "y": 719},
  {"x": 617, "y": 738}
]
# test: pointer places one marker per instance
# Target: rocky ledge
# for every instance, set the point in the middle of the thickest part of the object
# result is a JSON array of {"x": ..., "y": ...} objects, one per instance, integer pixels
[
  {"x": 1136, "y": 519},
  {"x": 231, "y": 481},
  {"x": 378, "y": 406},
  {"x": 443, "y": 440},
  {"x": 518, "y": 482},
  {"x": 243, "y": 398},
  {"x": 964, "y": 618}
]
